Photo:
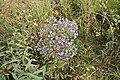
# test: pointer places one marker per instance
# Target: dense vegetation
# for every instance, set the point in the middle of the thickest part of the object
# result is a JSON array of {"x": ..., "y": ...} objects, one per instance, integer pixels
[{"x": 59, "y": 40}]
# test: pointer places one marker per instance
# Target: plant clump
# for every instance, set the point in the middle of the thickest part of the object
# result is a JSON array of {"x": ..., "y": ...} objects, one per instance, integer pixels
[{"x": 57, "y": 39}]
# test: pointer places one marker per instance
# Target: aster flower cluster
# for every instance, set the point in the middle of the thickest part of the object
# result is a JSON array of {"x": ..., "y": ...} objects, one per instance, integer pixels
[{"x": 57, "y": 39}]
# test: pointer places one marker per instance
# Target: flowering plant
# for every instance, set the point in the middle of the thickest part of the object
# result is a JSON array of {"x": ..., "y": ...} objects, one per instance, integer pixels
[{"x": 57, "y": 39}]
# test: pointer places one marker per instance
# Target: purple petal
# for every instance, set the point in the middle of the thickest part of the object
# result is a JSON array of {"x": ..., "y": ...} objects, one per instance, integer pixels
[
  {"x": 61, "y": 22},
  {"x": 61, "y": 54},
  {"x": 70, "y": 24}
]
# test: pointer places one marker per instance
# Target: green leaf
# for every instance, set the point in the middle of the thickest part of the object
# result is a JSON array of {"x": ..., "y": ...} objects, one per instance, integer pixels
[
  {"x": 9, "y": 62},
  {"x": 2, "y": 54},
  {"x": 14, "y": 76},
  {"x": 61, "y": 2},
  {"x": 61, "y": 75},
  {"x": 1, "y": 47},
  {"x": 115, "y": 19},
  {"x": 19, "y": 45},
  {"x": 56, "y": 75},
  {"x": 28, "y": 65},
  {"x": 22, "y": 78},
  {"x": 118, "y": 21},
  {"x": 20, "y": 71},
  {"x": 44, "y": 70},
  {"x": 37, "y": 72},
  {"x": 2, "y": 77},
  {"x": 8, "y": 51},
  {"x": 33, "y": 76},
  {"x": 61, "y": 64},
  {"x": 51, "y": 73}
]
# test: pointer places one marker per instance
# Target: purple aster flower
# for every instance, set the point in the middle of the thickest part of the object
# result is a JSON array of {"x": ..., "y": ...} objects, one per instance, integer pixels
[
  {"x": 75, "y": 36},
  {"x": 54, "y": 41},
  {"x": 70, "y": 24},
  {"x": 40, "y": 52},
  {"x": 57, "y": 48},
  {"x": 51, "y": 32},
  {"x": 61, "y": 22},
  {"x": 62, "y": 35},
  {"x": 66, "y": 59},
  {"x": 60, "y": 41},
  {"x": 65, "y": 45},
  {"x": 38, "y": 49},
  {"x": 43, "y": 51},
  {"x": 66, "y": 51},
  {"x": 56, "y": 37},
  {"x": 51, "y": 55},
  {"x": 47, "y": 49},
  {"x": 72, "y": 30},
  {"x": 61, "y": 54},
  {"x": 47, "y": 29},
  {"x": 54, "y": 25},
  {"x": 50, "y": 43},
  {"x": 63, "y": 40},
  {"x": 70, "y": 43},
  {"x": 45, "y": 39},
  {"x": 65, "y": 37}
]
